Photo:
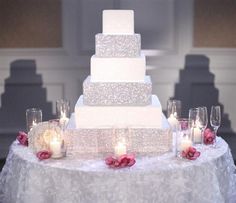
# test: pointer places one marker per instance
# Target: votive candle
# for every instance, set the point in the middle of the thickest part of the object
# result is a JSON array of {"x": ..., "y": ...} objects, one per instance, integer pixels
[
  {"x": 55, "y": 147},
  {"x": 120, "y": 149},
  {"x": 185, "y": 143}
]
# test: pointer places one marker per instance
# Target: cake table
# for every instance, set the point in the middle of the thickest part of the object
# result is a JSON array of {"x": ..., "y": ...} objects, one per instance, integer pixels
[{"x": 165, "y": 178}]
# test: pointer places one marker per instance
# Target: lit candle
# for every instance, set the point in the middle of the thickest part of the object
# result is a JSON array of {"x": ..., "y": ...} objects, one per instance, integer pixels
[
  {"x": 173, "y": 121},
  {"x": 185, "y": 143},
  {"x": 55, "y": 147},
  {"x": 120, "y": 149},
  {"x": 34, "y": 123},
  {"x": 63, "y": 120},
  {"x": 197, "y": 135}
]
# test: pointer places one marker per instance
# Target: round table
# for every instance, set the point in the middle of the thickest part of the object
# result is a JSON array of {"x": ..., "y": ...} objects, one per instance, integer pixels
[{"x": 209, "y": 179}]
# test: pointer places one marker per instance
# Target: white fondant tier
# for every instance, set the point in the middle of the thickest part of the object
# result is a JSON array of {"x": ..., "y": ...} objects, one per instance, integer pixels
[
  {"x": 135, "y": 116},
  {"x": 118, "y": 69},
  {"x": 141, "y": 140},
  {"x": 118, "y": 22}
]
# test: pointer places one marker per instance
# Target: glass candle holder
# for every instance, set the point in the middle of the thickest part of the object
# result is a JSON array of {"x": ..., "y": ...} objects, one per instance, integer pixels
[
  {"x": 57, "y": 144},
  {"x": 194, "y": 124},
  {"x": 121, "y": 140},
  {"x": 174, "y": 108},
  {"x": 33, "y": 117},
  {"x": 184, "y": 140},
  {"x": 63, "y": 112},
  {"x": 173, "y": 113}
]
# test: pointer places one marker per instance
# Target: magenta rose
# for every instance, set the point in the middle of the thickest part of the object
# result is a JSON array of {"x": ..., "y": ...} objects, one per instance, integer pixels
[
  {"x": 44, "y": 154},
  {"x": 183, "y": 123},
  {"x": 22, "y": 138},
  {"x": 131, "y": 160},
  {"x": 110, "y": 160},
  {"x": 190, "y": 153},
  {"x": 120, "y": 162},
  {"x": 209, "y": 137}
]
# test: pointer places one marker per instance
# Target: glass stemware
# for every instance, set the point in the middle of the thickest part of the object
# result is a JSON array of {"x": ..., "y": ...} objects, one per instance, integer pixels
[
  {"x": 33, "y": 117},
  {"x": 195, "y": 132},
  {"x": 198, "y": 120},
  {"x": 173, "y": 113},
  {"x": 215, "y": 118},
  {"x": 174, "y": 108},
  {"x": 63, "y": 112},
  {"x": 202, "y": 119}
]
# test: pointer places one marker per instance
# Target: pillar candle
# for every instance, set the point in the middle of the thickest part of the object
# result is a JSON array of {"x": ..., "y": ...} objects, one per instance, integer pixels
[
  {"x": 173, "y": 121},
  {"x": 55, "y": 147},
  {"x": 197, "y": 135}
]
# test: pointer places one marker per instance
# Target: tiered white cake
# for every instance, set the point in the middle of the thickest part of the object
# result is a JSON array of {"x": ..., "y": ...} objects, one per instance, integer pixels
[{"x": 118, "y": 94}]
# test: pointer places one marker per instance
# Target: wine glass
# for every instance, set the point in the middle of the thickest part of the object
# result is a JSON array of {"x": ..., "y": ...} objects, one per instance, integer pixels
[{"x": 215, "y": 118}]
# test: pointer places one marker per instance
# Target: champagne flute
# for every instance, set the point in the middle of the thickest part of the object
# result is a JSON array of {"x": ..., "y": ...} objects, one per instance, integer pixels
[
  {"x": 202, "y": 119},
  {"x": 215, "y": 118}
]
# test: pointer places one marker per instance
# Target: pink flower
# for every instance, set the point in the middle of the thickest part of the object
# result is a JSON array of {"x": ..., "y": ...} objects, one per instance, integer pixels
[
  {"x": 22, "y": 138},
  {"x": 190, "y": 153},
  {"x": 183, "y": 123},
  {"x": 126, "y": 160},
  {"x": 209, "y": 137},
  {"x": 44, "y": 154}
]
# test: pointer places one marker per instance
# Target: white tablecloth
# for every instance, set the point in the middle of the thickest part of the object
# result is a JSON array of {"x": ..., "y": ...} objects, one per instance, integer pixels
[{"x": 209, "y": 179}]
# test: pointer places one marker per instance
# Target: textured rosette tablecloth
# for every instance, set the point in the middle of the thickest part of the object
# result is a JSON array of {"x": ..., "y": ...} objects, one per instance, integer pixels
[{"x": 209, "y": 179}]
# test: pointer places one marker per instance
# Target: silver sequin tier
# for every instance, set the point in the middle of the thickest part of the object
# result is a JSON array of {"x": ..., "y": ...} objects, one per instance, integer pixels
[
  {"x": 142, "y": 141},
  {"x": 118, "y": 45},
  {"x": 117, "y": 93}
]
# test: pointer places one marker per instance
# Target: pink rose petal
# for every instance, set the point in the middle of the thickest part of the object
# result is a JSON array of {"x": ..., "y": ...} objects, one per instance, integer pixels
[
  {"x": 22, "y": 138},
  {"x": 131, "y": 162},
  {"x": 120, "y": 162},
  {"x": 190, "y": 153},
  {"x": 192, "y": 150},
  {"x": 124, "y": 162},
  {"x": 109, "y": 160},
  {"x": 44, "y": 154},
  {"x": 116, "y": 163},
  {"x": 209, "y": 137},
  {"x": 207, "y": 131}
]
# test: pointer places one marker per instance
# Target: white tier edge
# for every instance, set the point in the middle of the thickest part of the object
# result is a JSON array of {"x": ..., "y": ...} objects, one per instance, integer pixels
[{"x": 135, "y": 116}]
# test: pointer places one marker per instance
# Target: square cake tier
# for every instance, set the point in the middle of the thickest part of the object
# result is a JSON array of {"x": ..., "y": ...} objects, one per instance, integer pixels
[
  {"x": 118, "y": 22},
  {"x": 135, "y": 116},
  {"x": 117, "y": 93},
  {"x": 117, "y": 45},
  {"x": 118, "y": 69},
  {"x": 141, "y": 140}
]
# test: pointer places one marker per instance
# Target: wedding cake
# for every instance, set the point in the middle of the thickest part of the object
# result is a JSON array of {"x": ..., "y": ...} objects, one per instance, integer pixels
[{"x": 118, "y": 95}]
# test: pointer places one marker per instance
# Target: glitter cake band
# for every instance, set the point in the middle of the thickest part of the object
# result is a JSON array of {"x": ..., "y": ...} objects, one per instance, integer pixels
[
  {"x": 117, "y": 93},
  {"x": 118, "y": 45}
]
